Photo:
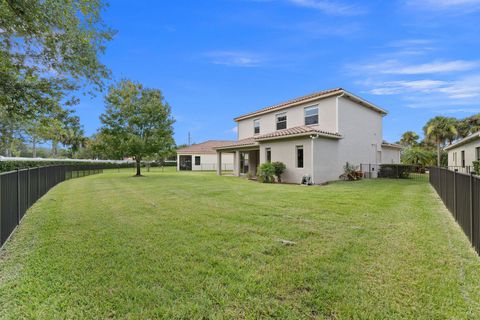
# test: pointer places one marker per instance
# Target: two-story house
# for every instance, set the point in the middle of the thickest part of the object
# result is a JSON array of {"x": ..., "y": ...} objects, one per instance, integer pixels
[{"x": 313, "y": 135}]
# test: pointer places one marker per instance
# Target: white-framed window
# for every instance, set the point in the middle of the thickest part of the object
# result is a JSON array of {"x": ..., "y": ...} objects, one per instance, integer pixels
[
  {"x": 477, "y": 153},
  {"x": 299, "y": 156},
  {"x": 455, "y": 159},
  {"x": 311, "y": 115},
  {"x": 281, "y": 121},
  {"x": 462, "y": 158},
  {"x": 256, "y": 126},
  {"x": 197, "y": 160},
  {"x": 268, "y": 155}
]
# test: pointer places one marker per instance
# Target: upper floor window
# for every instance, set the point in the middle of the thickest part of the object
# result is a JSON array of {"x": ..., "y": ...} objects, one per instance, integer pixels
[
  {"x": 256, "y": 126},
  {"x": 311, "y": 115},
  {"x": 477, "y": 153},
  {"x": 281, "y": 121},
  {"x": 462, "y": 158}
]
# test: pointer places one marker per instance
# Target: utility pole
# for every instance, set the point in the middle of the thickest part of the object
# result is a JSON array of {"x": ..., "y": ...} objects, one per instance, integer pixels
[{"x": 189, "y": 140}]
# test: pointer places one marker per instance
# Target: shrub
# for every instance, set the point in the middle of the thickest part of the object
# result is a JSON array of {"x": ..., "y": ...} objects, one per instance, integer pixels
[
  {"x": 351, "y": 173},
  {"x": 395, "y": 171},
  {"x": 266, "y": 173},
  {"x": 476, "y": 167},
  {"x": 10, "y": 165},
  {"x": 279, "y": 168}
]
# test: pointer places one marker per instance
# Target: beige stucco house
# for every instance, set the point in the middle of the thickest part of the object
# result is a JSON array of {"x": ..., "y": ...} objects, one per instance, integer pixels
[
  {"x": 203, "y": 157},
  {"x": 313, "y": 135},
  {"x": 462, "y": 153}
]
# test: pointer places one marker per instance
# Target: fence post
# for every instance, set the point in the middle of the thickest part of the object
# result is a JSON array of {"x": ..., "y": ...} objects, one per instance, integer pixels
[
  {"x": 18, "y": 196},
  {"x": 471, "y": 208},
  {"x": 455, "y": 194},
  {"x": 1, "y": 211},
  {"x": 28, "y": 187}
]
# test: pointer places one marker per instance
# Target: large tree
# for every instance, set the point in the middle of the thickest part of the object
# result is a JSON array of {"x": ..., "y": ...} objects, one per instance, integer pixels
[
  {"x": 409, "y": 139},
  {"x": 137, "y": 122},
  {"x": 47, "y": 49},
  {"x": 439, "y": 130},
  {"x": 469, "y": 125}
]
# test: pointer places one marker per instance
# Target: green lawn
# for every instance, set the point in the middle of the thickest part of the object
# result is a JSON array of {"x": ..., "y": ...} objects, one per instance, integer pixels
[{"x": 194, "y": 245}]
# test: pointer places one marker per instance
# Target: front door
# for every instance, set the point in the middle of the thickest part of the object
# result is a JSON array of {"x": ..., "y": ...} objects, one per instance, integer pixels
[{"x": 185, "y": 163}]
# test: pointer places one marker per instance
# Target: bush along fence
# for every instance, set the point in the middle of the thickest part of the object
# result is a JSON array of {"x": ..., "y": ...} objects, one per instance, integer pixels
[
  {"x": 21, "y": 188},
  {"x": 460, "y": 193},
  {"x": 394, "y": 171}
]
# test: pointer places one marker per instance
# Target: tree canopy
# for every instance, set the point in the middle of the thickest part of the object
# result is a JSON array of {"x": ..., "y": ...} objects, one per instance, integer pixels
[
  {"x": 137, "y": 122},
  {"x": 47, "y": 49}
]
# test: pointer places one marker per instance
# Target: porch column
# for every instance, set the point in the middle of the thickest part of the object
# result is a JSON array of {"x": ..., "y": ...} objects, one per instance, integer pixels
[
  {"x": 219, "y": 163},
  {"x": 236, "y": 164}
]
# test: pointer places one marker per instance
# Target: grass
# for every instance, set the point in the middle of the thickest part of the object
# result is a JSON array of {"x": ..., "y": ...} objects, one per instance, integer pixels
[{"x": 194, "y": 245}]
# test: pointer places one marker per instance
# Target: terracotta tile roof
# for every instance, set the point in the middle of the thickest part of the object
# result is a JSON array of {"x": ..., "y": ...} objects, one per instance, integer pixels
[
  {"x": 391, "y": 145},
  {"x": 205, "y": 147},
  {"x": 240, "y": 143},
  {"x": 312, "y": 96},
  {"x": 292, "y": 101},
  {"x": 297, "y": 131}
]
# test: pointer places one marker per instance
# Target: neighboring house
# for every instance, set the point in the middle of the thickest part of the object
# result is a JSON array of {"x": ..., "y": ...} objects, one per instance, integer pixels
[
  {"x": 313, "y": 135},
  {"x": 202, "y": 157},
  {"x": 462, "y": 153}
]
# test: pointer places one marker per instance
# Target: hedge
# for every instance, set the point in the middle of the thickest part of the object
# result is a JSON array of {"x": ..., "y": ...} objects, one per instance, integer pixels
[
  {"x": 10, "y": 165},
  {"x": 395, "y": 171}
]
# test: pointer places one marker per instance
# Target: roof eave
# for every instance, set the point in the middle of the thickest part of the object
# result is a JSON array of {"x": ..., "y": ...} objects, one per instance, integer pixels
[
  {"x": 303, "y": 134},
  {"x": 463, "y": 141}
]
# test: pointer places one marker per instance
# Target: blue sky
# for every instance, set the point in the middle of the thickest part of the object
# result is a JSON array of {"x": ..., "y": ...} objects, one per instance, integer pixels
[{"x": 215, "y": 60}]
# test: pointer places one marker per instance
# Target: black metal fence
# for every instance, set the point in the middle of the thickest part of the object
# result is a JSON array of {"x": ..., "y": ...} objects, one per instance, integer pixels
[
  {"x": 22, "y": 188},
  {"x": 460, "y": 193},
  {"x": 394, "y": 171}
]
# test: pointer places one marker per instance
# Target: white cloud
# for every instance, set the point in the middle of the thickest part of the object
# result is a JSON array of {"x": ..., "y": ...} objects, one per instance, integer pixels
[
  {"x": 235, "y": 58},
  {"x": 398, "y": 87},
  {"x": 446, "y": 6},
  {"x": 233, "y": 130},
  {"x": 432, "y": 93},
  {"x": 329, "y": 7},
  {"x": 396, "y": 67}
]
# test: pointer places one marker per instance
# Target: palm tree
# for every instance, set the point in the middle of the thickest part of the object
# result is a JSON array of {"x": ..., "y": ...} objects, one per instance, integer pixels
[
  {"x": 409, "y": 139},
  {"x": 468, "y": 126},
  {"x": 440, "y": 130}
]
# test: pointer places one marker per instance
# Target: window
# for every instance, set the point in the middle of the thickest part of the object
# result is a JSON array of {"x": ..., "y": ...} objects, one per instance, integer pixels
[
  {"x": 462, "y": 158},
  {"x": 197, "y": 160},
  {"x": 299, "y": 156},
  {"x": 455, "y": 159},
  {"x": 256, "y": 126},
  {"x": 477, "y": 153},
  {"x": 311, "y": 115},
  {"x": 268, "y": 154},
  {"x": 281, "y": 121}
]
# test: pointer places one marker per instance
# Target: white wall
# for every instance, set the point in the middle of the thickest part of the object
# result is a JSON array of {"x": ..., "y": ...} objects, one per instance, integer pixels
[
  {"x": 390, "y": 155},
  {"x": 295, "y": 117},
  {"x": 469, "y": 149},
  {"x": 362, "y": 133},
  {"x": 285, "y": 151},
  {"x": 209, "y": 161}
]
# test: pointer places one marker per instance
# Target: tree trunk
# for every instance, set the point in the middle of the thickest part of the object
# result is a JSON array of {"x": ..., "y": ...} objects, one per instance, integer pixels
[
  {"x": 34, "y": 147},
  {"x": 138, "y": 169},
  {"x": 439, "y": 156},
  {"x": 54, "y": 148}
]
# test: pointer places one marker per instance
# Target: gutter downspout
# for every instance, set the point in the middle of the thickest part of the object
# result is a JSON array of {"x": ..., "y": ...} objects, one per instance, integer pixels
[
  {"x": 336, "y": 109},
  {"x": 313, "y": 137}
]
